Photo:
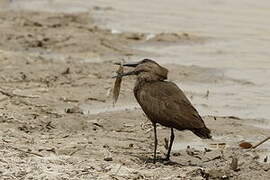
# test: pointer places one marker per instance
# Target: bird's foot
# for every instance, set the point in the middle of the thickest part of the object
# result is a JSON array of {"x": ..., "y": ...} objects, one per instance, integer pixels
[
  {"x": 167, "y": 161},
  {"x": 167, "y": 158}
]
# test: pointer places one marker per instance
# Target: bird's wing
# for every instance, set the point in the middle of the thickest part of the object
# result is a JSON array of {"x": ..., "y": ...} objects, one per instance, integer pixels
[{"x": 164, "y": 103}]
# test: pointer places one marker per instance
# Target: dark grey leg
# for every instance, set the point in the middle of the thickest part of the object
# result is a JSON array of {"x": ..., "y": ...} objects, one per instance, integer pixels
[
  {"x": 170, "y": 145},
  {"x": 156, "y": 141}
]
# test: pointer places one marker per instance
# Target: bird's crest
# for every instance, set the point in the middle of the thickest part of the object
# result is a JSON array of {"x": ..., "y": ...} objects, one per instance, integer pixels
[{"x": 152, "y": 69}]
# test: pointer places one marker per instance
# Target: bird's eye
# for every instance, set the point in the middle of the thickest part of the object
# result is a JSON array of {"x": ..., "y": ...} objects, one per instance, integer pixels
[{"x": 144, "y": 61}]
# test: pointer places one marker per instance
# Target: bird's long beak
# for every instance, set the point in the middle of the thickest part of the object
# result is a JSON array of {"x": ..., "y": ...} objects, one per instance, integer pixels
[
  {"x": 124, "y": 74},
  {"x": 132, "y": 64}
]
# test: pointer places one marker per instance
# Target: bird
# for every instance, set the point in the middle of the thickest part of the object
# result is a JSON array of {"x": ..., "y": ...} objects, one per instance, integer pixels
[{"x": 164, "y": 102}]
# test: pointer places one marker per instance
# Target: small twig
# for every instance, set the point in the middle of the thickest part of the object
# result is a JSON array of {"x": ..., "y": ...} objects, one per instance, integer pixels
[
  {"x": 96, "y": 99},
  {"x": 263, "y": 141},
  {"x": 69, "y": 100},
  {"x": 148, "y": 130},
  {"x": 6, "y": 141},
  {"x": 47, "y": 111},
  {"x": 48, "y": 150},
  {"x": 10, "y": 94},
  {"x": 5, "y": 93},
  {"x": 31, "y": 104},
  {"x": 37, "y": 154},
  {"x": 49, "y": 125},
  {"x": 234, "y": 164},
  {"x": 118, "y": 170},
  {"x": 212, "y": 159},
  {"x": 24, "y": 96},
  {"x": 192, "y": 152},
  {"x": 27, "y": 152},
  {"x": 73, "y": 152}
]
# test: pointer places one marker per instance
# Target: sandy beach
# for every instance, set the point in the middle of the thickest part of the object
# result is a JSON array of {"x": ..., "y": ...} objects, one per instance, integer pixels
[{"x": 57, "y": 120}]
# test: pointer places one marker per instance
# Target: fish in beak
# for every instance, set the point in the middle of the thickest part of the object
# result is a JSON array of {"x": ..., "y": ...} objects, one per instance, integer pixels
[
  {"x": 132, "y": 64},
  {"x": 124, "y": 74}
]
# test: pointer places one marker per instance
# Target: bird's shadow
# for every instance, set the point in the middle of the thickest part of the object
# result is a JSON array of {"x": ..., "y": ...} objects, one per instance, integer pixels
[{"x": 164, "y": 161}]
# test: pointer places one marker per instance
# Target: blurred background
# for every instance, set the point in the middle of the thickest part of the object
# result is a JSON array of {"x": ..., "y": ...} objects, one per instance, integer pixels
[{"x": 234, "y": 44}]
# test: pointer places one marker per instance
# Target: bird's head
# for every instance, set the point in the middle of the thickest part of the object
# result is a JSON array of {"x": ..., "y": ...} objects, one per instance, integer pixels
[{"x": 147, "y": 70}]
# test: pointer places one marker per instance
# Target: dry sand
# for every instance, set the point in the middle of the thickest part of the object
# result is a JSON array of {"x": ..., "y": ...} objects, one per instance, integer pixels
[{"x": 57, "y": 119}]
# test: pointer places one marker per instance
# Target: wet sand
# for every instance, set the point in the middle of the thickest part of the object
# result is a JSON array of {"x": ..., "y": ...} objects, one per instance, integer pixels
[{"x": 57, "y": 119}]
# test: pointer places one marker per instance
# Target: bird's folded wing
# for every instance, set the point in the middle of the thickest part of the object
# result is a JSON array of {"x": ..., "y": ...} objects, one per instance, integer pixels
[{"x": 164, "y": 103}]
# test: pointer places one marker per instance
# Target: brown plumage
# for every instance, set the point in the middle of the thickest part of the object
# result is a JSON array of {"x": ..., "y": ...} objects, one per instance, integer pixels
[{"x": 164, "y": 102}]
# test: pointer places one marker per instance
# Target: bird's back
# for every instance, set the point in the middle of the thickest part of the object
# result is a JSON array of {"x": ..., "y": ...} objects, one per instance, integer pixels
[{"x": 164, "y": 103}]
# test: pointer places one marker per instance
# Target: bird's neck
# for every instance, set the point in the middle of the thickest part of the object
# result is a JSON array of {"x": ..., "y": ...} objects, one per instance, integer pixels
[
  {"x": 143, "y": 80},
  {"x": 149, "y": 77},
  {"x": 138, "y": 85}
]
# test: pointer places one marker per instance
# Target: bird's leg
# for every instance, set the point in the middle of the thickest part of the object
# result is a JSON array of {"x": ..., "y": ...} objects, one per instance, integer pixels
[
  {"x": 170, "y": 145},
  {"x": 155, "y": 148}
]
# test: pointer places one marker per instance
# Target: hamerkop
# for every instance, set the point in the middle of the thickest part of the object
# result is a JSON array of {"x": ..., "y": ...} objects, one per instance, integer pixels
[{"x": 163, "y": 102}]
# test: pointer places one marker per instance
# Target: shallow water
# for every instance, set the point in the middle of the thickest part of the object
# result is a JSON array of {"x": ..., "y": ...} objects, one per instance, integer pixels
[
  {"x": 238, "y": 46},
  {"x": 239, "y": 33}
]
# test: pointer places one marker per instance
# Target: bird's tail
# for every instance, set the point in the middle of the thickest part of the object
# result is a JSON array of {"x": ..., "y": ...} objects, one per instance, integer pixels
[{"x": 203, "y": 133}]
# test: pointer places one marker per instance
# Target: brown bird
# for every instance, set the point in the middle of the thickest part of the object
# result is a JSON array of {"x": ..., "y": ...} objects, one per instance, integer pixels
[{"x": 164, "y": 102}]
